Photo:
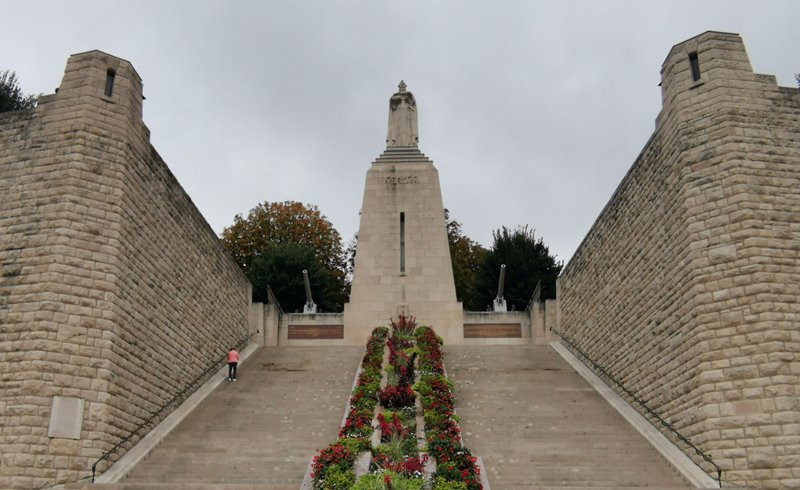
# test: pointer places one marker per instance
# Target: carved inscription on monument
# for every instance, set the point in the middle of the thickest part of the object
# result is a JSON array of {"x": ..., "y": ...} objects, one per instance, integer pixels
[{"x": 402, "y": 180}]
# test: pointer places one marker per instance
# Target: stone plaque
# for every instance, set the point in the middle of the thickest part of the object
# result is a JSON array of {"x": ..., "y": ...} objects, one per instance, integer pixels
[
  {"x": 493, "y": 331},
  {"x": 315, "y": 332},
  {"x": 66, "y": 417}
]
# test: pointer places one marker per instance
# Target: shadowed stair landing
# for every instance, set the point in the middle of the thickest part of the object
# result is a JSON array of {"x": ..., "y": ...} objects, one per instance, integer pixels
[
  {"x": 538, "y": 424},
  {"x": 260, "y": 431}
]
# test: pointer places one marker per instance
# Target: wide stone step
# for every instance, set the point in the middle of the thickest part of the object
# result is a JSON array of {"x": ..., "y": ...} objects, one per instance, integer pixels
[
  {"x": 591, "y": 485},
  {"x": 538, "y": 424},
  {"x": 260, "y": 431},
  {"x": 266, "y": 485},
  {"x": 535, "y": 422},
  {"x": 402, "y": 154}
]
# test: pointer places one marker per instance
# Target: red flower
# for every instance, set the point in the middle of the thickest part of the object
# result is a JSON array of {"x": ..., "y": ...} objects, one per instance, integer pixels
[
  {"x": 333, "y": 454},
  {"x": 410, "y": 465},
  {"x": 397, "y": 396}
]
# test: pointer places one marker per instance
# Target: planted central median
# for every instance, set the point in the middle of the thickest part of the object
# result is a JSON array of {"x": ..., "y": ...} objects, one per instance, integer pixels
[{"x": 401, "y": 430}]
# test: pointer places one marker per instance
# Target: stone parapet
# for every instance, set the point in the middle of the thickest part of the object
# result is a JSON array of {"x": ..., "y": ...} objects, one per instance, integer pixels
[
  {"x": 114, "y": 290},
  {"x": 686, "y": 287},
  {"x": 492, "y": 327}
]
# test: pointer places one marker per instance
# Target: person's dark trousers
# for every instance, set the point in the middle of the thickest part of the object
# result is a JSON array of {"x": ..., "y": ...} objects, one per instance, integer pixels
[{"x": 232, "y": 370}]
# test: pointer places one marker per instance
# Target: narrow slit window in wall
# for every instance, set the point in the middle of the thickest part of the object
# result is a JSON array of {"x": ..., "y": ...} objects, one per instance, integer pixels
[
  {"x": 110, "y": 82},
  {"x": 402, "y": 242},
  {"x": 695, "y": 66}
]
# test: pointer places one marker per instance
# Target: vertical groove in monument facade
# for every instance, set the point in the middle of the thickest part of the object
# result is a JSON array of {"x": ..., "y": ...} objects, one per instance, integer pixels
[
  {"x": 402, "y": 261},
  {"x": 114, "y": 290},
  {"x": 687, "y": 287}
]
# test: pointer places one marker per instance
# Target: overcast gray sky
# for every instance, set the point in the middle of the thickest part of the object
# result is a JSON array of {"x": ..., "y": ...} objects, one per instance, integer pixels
[{"x": 531, "y": 111}]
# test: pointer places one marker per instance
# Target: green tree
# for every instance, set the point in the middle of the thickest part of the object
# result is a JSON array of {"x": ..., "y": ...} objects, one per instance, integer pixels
[
  {"x": 292, "y": 223},
  {"x": 281, "y": 268},
  {"x": 282, "y": 222},
  {"x": 467, "y": 257},
  {"x": 528, "y": 261},
  {"x": 11, "y": 96}
]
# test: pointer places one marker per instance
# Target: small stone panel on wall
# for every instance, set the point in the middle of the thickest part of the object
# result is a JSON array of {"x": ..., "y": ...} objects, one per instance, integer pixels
[
  {"x": 493, "y": 331},
  {"x": 316, "y": 332},
  {"x": 66, "y": 417}
]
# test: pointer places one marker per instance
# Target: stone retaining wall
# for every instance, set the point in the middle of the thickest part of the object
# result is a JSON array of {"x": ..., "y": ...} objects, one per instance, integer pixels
[
  {"x": 686, "y": 287},
  {"x": 114, "y": 290},
  {"x": 512, "y": 327}
]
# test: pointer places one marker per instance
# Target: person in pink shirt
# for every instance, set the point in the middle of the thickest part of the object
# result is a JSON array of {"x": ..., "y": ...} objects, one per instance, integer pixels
[{"x": 233, "y": 363}]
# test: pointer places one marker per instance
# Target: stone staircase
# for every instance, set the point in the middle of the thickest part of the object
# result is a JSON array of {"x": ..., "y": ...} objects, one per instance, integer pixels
[
  {"x": 257, "y": 432},
  {"x": 534, "y": 421},
  {"x": 538, "y": 424}
]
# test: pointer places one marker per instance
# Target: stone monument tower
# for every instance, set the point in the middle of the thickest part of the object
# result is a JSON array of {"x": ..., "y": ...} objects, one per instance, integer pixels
[{"x": 402, "y": 260}]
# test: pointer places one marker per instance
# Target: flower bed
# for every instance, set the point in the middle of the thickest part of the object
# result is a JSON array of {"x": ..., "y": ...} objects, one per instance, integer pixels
[
  {"x": 414, "y": 379},
  {"x": 332, "y": 468},
  {"x": 455, "y": 463},
  {"x": 397, "y": 455}
]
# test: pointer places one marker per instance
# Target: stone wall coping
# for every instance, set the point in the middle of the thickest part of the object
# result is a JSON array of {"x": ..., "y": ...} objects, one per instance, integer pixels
[
  {"x": 291, "y": 317},
  {"x": 101, "y": 52},
  {"x": 693, "y": 38},
  {"x": 479, "y": 317}
]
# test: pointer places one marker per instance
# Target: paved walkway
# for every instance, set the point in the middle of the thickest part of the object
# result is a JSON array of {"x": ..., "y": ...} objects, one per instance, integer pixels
[
  {"x": 537, "y": 424},
  {"x": 260, "y": 431}
]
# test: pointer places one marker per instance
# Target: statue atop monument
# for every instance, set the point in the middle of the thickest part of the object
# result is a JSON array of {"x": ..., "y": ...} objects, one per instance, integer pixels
[{"x": 402, "y": 119}]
